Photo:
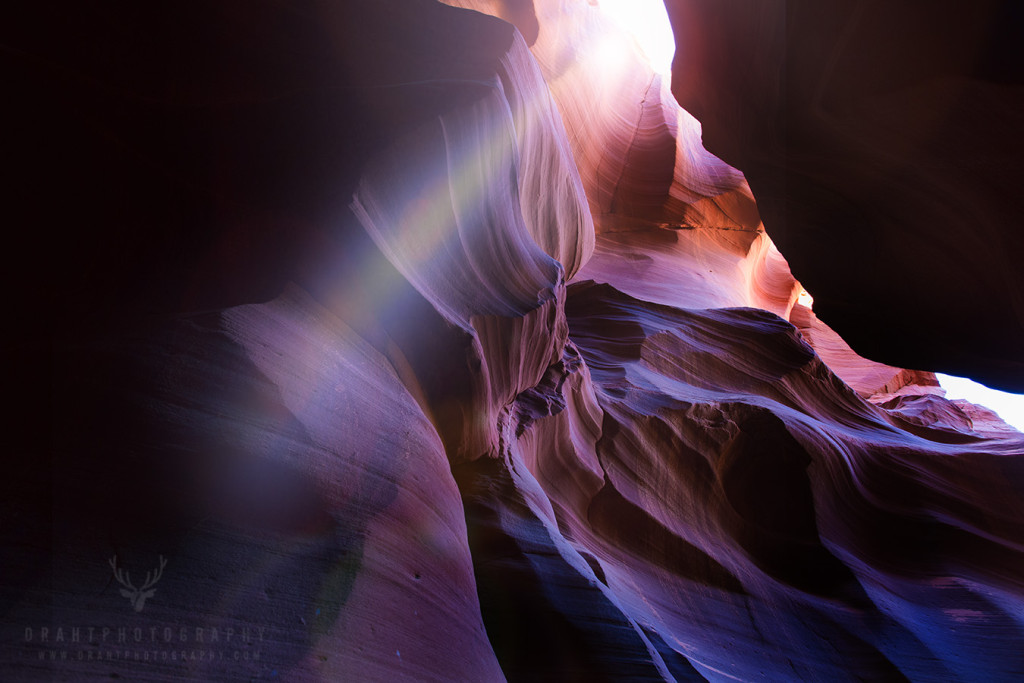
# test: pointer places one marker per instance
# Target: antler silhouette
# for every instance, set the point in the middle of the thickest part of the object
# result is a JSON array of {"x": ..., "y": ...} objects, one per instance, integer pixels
[
  {"x": 137, "y": 596},
  {"x": 156, "y": 577},
  {"x": 122, "y": 577}
]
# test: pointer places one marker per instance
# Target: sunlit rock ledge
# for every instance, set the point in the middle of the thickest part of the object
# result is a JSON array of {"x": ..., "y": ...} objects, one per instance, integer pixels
[{"x": 447, "y": 352}]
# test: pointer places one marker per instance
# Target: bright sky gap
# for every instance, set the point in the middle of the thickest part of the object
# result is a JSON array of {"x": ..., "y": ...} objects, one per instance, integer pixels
[
  {"x": 648, "y": 21},
  {"x": 1010, "y": 407}
]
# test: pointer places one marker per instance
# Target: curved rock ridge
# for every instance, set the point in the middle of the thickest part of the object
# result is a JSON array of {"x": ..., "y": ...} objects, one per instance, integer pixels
[
  {"x": 823, "y": 538},
  {"x": 699, "y": 267},
  {"x": 445, "y": 207},
  {"x": 440, "y": 206},
  {"x": 638, "y": 152},
  {"x": 551, "y": 194}
]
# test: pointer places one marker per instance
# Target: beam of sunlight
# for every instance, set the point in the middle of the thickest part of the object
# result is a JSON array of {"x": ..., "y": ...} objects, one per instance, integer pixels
[
  {"x": 1010, "y": 407},
  {"x": 647, "y": 21}
]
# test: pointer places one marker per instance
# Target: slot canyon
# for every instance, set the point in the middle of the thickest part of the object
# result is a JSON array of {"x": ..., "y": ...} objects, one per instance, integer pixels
[{"x": 406, "y": 340}]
